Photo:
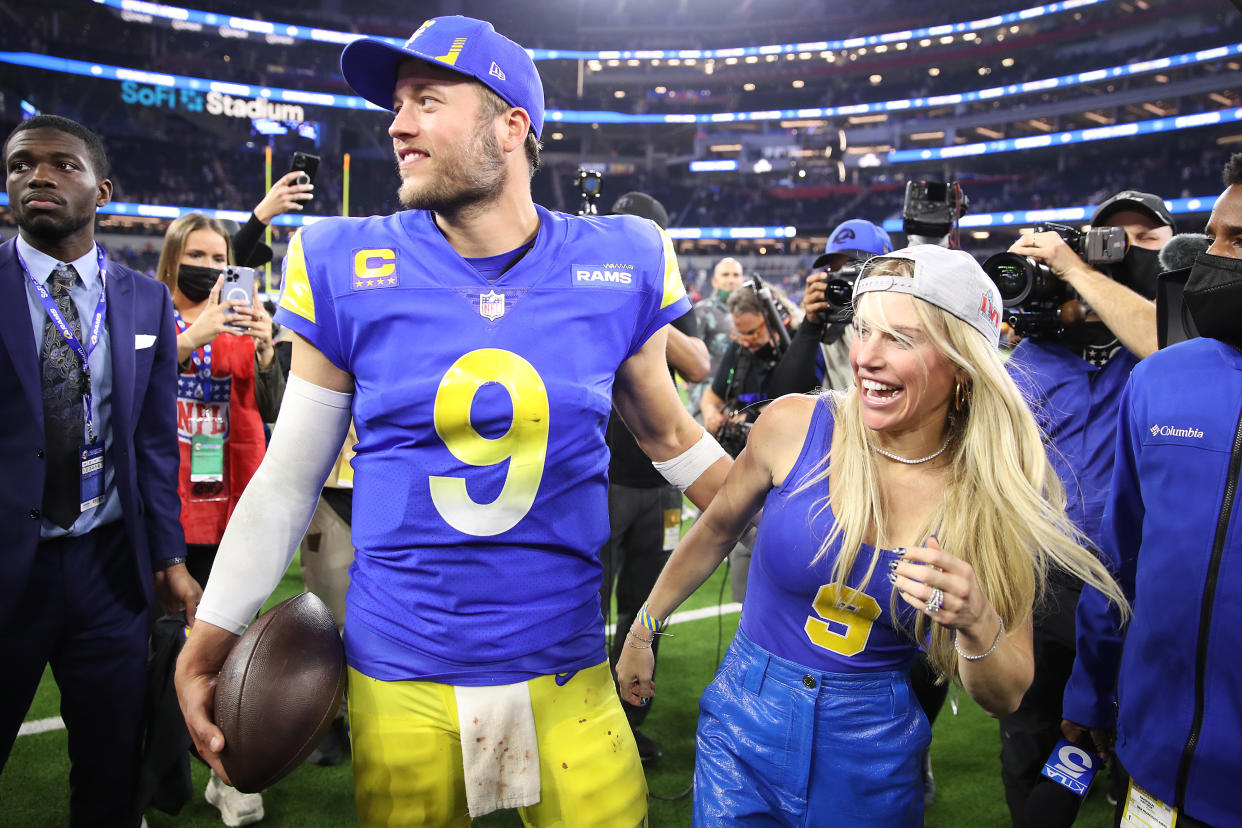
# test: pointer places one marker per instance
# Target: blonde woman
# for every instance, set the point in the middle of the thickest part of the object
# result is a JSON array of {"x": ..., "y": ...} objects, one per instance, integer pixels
[{"x": 916, "y": 510}]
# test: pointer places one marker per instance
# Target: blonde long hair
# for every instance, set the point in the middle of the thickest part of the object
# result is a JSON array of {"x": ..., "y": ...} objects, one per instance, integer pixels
[
  {"x": 1003, "y": 508},
  {"x": 174, "y": 244}
]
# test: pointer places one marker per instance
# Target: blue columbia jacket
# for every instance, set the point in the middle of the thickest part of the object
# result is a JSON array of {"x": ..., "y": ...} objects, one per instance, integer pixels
[
  {"x": 1173, "y": 533},
  {"x": 1075, "y": 404}
]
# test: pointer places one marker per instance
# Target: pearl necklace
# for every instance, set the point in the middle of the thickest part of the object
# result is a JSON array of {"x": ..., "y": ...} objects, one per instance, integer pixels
[{"x": 892, "y": 456}]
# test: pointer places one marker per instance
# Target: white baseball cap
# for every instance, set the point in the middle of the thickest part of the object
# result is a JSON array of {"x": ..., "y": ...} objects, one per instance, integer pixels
[{"x": 949, "y": 279}]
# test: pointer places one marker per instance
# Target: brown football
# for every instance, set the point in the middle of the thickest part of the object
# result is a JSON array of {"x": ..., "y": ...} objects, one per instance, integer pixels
[{"x": 279, "y": 691}]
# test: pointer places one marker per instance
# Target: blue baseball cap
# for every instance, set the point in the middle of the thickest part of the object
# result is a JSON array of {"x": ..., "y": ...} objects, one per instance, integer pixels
[
  {"x": 460, "y": 44},
  {"x": 856, "y": 238}
]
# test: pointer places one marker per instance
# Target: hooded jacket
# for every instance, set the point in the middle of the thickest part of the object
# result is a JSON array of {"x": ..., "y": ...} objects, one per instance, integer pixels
[{"x": 1173, "y": 534}]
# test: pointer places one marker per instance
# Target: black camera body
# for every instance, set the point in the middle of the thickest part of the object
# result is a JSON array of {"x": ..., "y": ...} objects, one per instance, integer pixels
[
  {"x": 839, "y": 291},
  {"x": 732, "y": 437},
  {"x": 589, "y": 184},
  {"x": 1032, "y": 294},
  {"x": 932, "y": 208}
]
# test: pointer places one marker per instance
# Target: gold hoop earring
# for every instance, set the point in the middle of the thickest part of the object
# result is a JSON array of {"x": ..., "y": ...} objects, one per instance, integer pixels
[{"x": 959, "y": 397}]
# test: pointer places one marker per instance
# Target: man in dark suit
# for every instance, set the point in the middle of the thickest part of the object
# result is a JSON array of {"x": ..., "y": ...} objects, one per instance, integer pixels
[{"x": 88, "y": 448}]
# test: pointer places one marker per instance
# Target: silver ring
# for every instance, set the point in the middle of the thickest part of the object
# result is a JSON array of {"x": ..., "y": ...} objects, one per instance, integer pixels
[
  {"x": 935, "y": 601},
  {"x": 642, "y": 702}
]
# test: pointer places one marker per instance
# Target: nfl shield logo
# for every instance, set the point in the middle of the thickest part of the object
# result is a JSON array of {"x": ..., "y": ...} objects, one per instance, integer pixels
[{"x": 491, "y": 305}]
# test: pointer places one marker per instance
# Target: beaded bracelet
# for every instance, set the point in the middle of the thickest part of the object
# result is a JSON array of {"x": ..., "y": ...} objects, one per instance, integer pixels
[{"x": 991, "y": 649}]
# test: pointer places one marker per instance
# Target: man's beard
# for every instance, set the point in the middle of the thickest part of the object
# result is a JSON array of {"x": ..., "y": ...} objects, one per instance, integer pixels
[
  {"x": 49, "y": 229},
  {"x": 466, "y": 178}
]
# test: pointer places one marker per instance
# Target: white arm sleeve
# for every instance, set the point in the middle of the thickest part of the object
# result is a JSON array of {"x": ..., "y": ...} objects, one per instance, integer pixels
[{"x": 272, "y": 515}]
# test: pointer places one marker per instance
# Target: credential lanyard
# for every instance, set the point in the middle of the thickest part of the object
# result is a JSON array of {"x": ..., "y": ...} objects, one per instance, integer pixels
[
  {"x": 202, "y": 367},
  {"x": 62, "y": 325}
]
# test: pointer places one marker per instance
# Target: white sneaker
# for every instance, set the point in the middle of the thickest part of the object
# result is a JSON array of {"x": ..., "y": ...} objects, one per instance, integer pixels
[{"x": 236, "y": 808}]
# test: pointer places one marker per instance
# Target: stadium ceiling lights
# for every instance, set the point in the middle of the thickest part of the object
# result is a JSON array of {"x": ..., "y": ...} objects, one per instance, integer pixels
[
  {"x": 144, "y": 12},
  {"x": 205, "y": 86}
]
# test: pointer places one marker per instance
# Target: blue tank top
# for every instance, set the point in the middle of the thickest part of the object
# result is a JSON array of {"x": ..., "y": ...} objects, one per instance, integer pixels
[{"x": 792, "y": 609}]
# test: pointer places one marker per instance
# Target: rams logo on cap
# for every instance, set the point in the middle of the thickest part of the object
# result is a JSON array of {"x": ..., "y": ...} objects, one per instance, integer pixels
[{"x": 426, "y": 25}]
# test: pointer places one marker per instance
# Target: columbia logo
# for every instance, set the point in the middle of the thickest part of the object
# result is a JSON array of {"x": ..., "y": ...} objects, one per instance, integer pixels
[
  {"x": 1173, "y": 431},
  {"x": 496, "y": 71}
]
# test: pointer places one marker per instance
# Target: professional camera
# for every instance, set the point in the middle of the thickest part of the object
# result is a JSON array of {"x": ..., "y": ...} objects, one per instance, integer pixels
[
  {"x": 588, "y": 183},
  {"x": 839, "y": 291},
  {"x": 932, "y": 208},
  {"x": 732, "y": 437},
  {"x": 1038, "y": 303}
]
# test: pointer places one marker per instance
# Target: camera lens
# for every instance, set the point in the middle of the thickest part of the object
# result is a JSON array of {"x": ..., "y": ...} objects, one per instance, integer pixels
[
  {"x": 839, "y": 292},
  {"x": 1014, "y": 276}
]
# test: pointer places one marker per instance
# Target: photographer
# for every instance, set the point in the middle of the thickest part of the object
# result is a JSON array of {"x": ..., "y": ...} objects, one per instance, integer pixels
[
  {"x": 1073, "y": 377},
  {"x": 741, "y": 380},
  {"x": 737, "y": 394},
  {"x": 715, "y": 324},
  {"x": 819, "y": 354}
]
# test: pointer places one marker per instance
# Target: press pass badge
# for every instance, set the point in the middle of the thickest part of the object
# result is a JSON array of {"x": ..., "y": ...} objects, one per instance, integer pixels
[
  {"x": 206, "y": 458},
  {"x": 1071, "y": 767},
  {"x": 92, "y": 455},
  {"x": 1145, "y": 811}
]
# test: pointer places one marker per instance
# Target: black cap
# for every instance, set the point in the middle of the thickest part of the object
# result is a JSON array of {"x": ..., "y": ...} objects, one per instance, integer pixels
[
  {"x": 1152, "y": 205},
  {"x": 642, "y": 205}
]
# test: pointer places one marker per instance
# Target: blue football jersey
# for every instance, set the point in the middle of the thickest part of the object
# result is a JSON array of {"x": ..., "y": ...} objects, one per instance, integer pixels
[
  {"x": 480, "y": 479},
  {"x": 792, "y": 608}
]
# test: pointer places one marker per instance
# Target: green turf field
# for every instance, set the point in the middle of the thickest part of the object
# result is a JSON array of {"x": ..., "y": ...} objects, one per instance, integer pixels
[{"x": 34, "y": 785}]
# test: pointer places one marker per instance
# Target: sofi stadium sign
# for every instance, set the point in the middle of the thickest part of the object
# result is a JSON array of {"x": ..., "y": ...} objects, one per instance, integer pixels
[{"x": 213, "y": 103}]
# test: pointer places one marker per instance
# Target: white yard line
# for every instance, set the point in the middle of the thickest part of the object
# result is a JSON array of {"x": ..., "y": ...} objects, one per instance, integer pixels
[
  {"x": 693, "y": 615},
  {"x": 41, "y": 726}
]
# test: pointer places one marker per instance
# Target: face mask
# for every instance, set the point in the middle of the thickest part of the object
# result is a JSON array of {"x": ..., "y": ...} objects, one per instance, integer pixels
[
  {"x": 1213, "y": 296},
  {"x": 1138, "y": 271},
  {"x": 195, "y": 283},
  {"x": 722, "y": 294}
]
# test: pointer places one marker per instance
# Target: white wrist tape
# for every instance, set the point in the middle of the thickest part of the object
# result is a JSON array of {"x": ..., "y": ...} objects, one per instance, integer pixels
[
  {"x": 682, "y": 470},
  {"x": 273, "y": 513}
]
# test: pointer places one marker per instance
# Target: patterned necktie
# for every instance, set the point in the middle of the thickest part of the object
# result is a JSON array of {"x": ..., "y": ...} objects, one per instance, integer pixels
[{"x": 63, "y": 424}]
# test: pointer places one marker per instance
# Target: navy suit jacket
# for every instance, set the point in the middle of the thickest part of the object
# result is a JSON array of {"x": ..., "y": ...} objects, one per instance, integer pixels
[{"x": 143, "y": 449}]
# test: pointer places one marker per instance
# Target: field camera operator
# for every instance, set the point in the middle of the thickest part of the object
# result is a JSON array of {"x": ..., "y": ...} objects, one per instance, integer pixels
[
  {"x": 742, "y": 385},
  {"x": 1122, "y": 297},
  {"x": 819, "y": 354},
  {"x": 1072, "y": 365},
  {"x": 730, "y": 405}
]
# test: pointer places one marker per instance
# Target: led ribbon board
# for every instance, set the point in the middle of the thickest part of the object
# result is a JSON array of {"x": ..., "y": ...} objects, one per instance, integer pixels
[
  {"x": 166, "y": 211},
  {"x": 204, "y": 86},
  {"x": 1027, "y": 218},
  {"x": 265, "y": 28}
]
